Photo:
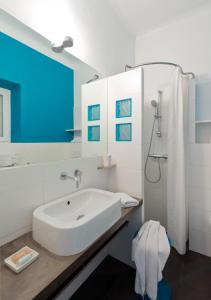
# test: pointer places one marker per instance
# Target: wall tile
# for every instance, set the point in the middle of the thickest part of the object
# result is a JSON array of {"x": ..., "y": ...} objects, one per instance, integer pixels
[
  {"x": 15, "y": 177},
  {"x": 200, "y": 220},
  {"x": 126, "y": 180},
  {"x": 199, "y": 198},
  {"x": 200, "y": 241},
  {"x": 155, "y": 206},
  {"x": 17, "y": 205},
  {"x": 200, "y": 154},
  {"x": 38, "y": 152},
  {"x": 127, "y": 155},
  {"x": 92, "y": 94},
  {"x": 127, "y": 176},
  {"x": 22, "y": 189},
  {"x": 200, "y": 176},
  {"x": 55, "y": 187}
]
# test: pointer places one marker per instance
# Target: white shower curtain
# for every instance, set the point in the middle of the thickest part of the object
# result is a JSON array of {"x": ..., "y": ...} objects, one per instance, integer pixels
[{"x": 177, "y": 205}]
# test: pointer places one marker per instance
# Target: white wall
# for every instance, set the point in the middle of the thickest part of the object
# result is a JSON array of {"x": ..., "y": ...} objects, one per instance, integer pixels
[
  {"x": 127, "y": 176},
  {"x": 99, "y": 39},
  {"x": 32, "y": 153},
  {"x": 93, "y": 94},
  {"x": 82, "y": 72},
  {"x": 24, "y": 188},
  {"x": 187, "y": 41}
]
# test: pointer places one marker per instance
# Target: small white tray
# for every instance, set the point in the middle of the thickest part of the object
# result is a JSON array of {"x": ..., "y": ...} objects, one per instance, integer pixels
[{"x": 16, "y": 268}]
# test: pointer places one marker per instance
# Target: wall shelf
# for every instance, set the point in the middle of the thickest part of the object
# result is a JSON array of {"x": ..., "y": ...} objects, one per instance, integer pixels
[
  {"x": 73, "y": 130},
  {"x": 203, "y": 121},
  {"x": 106, "y": 167}
]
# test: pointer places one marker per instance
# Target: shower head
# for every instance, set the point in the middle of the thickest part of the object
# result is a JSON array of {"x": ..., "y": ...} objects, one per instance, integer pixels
[
  {"x": 68, "y": 42},
  {"x": 154, "y": 103}
]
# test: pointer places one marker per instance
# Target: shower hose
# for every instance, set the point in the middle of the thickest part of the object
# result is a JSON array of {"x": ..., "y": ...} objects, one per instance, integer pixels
[{"x": 147, "y": 159}]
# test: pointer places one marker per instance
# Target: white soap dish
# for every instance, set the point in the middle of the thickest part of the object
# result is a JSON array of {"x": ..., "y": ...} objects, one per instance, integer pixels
[{"x": 21, "y": 259}]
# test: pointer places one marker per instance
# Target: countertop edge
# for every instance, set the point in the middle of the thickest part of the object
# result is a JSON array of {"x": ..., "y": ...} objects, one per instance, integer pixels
[
  {"x": 61, "y": 280},
  {"x": 75, "y": 267}
]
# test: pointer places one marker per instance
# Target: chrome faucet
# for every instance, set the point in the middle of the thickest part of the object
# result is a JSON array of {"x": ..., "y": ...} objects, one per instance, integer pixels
[{"x": 76, "y": 177}]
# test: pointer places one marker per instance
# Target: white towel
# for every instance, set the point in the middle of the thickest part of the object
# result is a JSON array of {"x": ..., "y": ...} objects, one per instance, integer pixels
[
  {"x": 126, "y": 200},
  {"x": 150, "y": 251}
]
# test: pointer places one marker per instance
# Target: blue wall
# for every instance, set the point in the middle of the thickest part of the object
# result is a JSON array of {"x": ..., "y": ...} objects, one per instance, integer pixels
[{"x": 42, "y": 93}]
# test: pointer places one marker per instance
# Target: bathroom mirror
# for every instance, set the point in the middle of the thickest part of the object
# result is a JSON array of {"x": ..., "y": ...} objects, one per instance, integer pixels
[{"x": 40, "y": 90}]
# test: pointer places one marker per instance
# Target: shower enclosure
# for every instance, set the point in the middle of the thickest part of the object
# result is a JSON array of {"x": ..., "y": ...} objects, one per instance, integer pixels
[
  {"x": 166, "y": 95},
  {"x": 157, "y": 156},
  {"x": 158, "y": 81}
]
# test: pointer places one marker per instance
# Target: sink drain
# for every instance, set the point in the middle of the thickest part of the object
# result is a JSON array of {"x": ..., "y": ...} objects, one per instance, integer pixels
[{"x": 80, "y": 217}]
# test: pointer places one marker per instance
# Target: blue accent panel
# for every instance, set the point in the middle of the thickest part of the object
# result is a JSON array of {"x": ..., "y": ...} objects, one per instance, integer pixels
[
  {"x": 94, "y": 133},
  {"x": 42, "y": 93},
  {"x": 94, "y": 112},
  {"x": 124, "y": 132},
  {"x": 124, "y": 108}
]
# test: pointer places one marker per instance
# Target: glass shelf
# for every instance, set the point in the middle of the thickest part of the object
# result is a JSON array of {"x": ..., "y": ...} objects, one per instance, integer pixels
[
  {"x": 73, "y": 130},
  {"x": 106, "y": 167},
  {"x": 203, "y": 121}
]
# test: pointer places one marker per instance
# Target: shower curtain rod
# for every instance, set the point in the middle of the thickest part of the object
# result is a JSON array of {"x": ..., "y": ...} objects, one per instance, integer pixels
[{"x": 160, "y": 63}]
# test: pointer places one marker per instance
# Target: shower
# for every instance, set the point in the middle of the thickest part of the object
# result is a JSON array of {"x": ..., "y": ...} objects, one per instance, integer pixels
[
  {"x": 157, "y": 115},
  {"x": 166, "y": 128},
  {"x": 154, "y": 103},
  {"x": 158, "y": 157}
]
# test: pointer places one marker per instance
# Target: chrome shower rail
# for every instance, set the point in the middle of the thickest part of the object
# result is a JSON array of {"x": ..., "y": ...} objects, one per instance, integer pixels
[
  {"x": 95, "y": 77},
  {"x": 161, "y": 63}
]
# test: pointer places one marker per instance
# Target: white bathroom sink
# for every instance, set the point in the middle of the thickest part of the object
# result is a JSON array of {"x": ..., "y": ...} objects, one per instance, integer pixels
[{"x": 71, "y": 224}]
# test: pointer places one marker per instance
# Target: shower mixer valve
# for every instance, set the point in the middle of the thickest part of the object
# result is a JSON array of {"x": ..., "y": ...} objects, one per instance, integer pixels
[{"x": 157, "y": 116}]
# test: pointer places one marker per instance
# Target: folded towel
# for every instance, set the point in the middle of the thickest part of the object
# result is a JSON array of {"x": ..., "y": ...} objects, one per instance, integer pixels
[
  {"x": 150, "y": 252},
  {"x": 126, "y": 200}
]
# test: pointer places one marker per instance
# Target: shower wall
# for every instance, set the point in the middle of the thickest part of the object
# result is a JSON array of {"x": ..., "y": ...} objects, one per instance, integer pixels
[{"x": 156, "y": 78}]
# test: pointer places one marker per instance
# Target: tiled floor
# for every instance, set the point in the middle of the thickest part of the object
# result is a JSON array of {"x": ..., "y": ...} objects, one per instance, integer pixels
[{"x": 189, "y": 277}]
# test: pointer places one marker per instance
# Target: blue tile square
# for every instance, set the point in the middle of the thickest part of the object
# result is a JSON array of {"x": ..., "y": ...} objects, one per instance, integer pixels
[
  {"x": 124, "y": 108},
  {"x": 124, "y": 132},
  {"x": 94, "y": 112},
  {"x": 94, "y": 133}
]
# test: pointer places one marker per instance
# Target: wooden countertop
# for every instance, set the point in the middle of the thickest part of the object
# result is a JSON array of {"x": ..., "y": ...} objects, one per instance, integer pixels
[{"x": 44, "y": 277}]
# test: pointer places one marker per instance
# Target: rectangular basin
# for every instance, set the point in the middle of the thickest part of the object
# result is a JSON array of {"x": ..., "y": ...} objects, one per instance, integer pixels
[{"x": 71, "y": 224}]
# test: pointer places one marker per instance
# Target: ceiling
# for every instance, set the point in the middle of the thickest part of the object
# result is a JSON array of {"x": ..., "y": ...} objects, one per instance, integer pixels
[{"x": 141, "y": 16}]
